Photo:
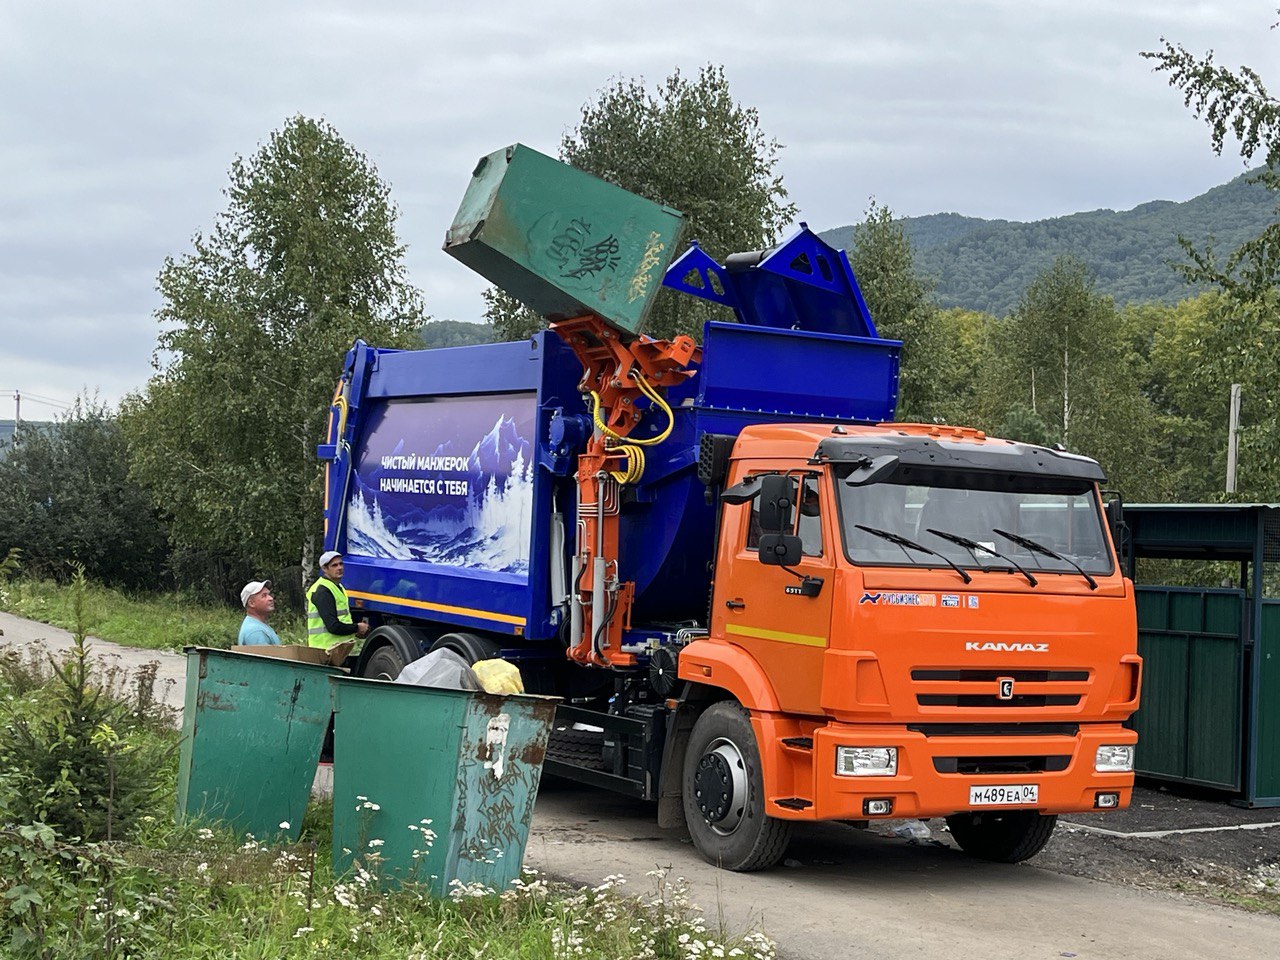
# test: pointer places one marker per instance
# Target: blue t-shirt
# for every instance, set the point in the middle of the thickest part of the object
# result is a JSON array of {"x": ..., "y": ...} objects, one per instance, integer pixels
[{"x": 255, "y": 632}]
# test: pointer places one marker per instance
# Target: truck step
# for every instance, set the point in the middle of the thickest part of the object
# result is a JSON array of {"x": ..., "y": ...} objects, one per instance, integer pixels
[{"x": 794, "y": 803}]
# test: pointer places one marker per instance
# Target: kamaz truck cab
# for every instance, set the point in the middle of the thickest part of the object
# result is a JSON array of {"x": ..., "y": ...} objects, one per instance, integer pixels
[{"x": 912, "y": 621}]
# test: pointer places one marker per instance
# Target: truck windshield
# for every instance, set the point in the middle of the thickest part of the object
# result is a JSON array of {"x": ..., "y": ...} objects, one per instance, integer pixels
[{"x": 966, "y": 510}]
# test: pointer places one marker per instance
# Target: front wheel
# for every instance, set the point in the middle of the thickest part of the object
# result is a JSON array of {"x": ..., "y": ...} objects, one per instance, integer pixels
[
  {"x": 1007, "y": 837},
  {"x": 723, "y": 793}
]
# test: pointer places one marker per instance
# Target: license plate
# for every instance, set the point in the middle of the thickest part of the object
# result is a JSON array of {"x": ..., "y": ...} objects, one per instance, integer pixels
[{"x": 1004, "y": 794}]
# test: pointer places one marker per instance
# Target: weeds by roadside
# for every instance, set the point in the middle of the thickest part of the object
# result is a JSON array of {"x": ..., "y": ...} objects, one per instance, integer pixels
[
  {"x": 193, "y": 892},
  {"x": 229, "y": 898}
]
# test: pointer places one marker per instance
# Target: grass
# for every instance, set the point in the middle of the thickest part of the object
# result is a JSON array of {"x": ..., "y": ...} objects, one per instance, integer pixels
[
  {"x": 1258, "y": 889},
  {"x": 219, "y": 897},
  {"x": 154, "y": 621}
]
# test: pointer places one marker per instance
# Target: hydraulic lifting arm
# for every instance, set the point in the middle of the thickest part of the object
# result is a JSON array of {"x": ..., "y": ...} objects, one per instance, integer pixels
[{"x": 617, "y": 373}]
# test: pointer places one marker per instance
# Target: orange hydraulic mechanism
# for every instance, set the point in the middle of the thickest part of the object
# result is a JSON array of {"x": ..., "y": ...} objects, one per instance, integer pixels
[{"x": 617, "y": 373}]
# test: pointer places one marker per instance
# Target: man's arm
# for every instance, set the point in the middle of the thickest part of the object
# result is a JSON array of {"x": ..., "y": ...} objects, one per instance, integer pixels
[{"x": 328, "y": 610}]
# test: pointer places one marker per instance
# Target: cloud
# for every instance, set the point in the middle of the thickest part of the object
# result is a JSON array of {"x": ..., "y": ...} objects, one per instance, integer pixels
[{"x": 121, "y": 121}]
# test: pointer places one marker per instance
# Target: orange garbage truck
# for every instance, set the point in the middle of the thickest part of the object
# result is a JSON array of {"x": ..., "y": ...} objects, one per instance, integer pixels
[{"x": 760, "y": 599}]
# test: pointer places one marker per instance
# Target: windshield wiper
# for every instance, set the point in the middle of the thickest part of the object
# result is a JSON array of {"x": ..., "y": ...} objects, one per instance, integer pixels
[
  {"x": 1035, "y": 547},
  {"x": 973, "y": 546},
  {"x": 904, "y": 542}
]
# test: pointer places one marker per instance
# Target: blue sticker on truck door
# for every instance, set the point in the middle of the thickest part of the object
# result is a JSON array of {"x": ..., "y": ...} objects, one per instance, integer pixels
[{"x": 446, "y": 480}]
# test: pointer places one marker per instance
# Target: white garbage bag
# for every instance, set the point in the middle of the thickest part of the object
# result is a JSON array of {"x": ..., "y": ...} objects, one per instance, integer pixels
[{"x": 440, "y": 668}]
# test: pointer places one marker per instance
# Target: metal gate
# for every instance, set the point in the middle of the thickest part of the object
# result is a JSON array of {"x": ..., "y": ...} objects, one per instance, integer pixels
[
  {"x": 1264, "y": 738},
  {"x": 1193, "y": 691}
]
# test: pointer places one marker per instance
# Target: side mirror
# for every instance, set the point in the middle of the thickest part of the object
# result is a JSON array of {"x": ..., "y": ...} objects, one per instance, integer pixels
[
  {"x": 871, "y": 471},
  {"x": 777, "y": 501},
  {"x": 1120, "y": 531},
  {"x": 780, "y": 549},
  {"x": 1115, "y": 513}
]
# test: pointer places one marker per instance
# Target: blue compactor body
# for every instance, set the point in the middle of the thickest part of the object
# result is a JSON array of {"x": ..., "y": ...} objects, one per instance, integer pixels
[{"x": 450, "y": 488}]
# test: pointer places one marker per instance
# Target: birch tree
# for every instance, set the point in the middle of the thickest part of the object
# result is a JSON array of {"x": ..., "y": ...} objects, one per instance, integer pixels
[{"x": 255, "y": 321}]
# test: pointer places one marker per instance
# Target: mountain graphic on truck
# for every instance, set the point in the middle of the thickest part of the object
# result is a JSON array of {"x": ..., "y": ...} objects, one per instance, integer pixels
[{"x": 436, "y": 504}]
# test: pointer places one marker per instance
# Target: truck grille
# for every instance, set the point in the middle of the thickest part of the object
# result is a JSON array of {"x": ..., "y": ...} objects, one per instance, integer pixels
[
  {"x": 1020, "y": 676},
  {"x": 978, "y": 688},
  {"x": 981, "y": 766},
  {"x": 995, "y": 729},
  {"x": 983, "y": 700}
]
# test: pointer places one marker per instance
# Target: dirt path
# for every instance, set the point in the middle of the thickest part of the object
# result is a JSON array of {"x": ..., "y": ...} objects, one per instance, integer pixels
[
  {"x": 17, "y": 634},
  {"x": 851, "y": 893}
]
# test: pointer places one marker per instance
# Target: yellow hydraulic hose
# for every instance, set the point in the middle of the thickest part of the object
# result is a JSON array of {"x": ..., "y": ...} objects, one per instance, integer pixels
[
  {"x": 658, "y": 402},
  {"x": 629, "y": 447}
]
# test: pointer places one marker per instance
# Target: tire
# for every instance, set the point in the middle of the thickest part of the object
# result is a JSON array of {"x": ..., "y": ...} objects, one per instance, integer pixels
[
  {"x": 471, "y": 646},
  {"x": 1007, "y": 837},
  {"x": 388, "y": 648},
  {"x": 723, "y": 793},
  {"x": 582, "y": 748},
  {"x": 385, "y": 663}
]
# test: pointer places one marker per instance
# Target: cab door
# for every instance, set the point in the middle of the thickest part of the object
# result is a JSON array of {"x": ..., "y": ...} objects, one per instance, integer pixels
[{"x": 765, "y": 609}]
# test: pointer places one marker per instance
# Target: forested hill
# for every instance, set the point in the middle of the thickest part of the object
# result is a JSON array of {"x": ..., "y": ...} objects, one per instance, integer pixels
[{"x": 987, "y": 264}]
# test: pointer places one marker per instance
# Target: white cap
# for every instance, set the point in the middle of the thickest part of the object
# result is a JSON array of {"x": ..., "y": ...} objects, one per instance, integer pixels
[
  {"x": 328, "y": 557},
  {"x": 251, "y": 588}
]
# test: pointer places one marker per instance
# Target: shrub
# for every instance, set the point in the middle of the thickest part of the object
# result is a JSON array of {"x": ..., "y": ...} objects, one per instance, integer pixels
[{"x": 76, "y": 757}]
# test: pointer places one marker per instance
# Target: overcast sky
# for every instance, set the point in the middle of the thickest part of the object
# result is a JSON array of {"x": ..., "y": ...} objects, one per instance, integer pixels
[{"x": 120, "y": 120}]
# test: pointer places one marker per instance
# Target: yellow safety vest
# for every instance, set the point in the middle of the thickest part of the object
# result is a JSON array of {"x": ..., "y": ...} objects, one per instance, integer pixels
[{"x": 317, "y": 635}]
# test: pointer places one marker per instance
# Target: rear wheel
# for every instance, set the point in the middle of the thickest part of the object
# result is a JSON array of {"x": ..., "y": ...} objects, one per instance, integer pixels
[
  {"x": 388, "y": 648},
  {"x": 1010, "y": 836},
  {"x": 723, "y": 793},
  {"x": 471, "y": 646},
  {"x": 385, "y": 663}
]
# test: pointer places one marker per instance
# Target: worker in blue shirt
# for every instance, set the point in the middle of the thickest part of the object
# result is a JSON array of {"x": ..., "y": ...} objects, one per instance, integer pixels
[{"x": 258, "y": 606}]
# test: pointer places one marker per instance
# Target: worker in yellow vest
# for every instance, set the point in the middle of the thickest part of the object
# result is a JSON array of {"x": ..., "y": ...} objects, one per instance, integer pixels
[{"x": 328, "y": 610}]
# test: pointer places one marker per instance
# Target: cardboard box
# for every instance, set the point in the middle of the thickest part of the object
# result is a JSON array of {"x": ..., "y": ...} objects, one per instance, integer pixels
[{"x": 304, "y": 654}]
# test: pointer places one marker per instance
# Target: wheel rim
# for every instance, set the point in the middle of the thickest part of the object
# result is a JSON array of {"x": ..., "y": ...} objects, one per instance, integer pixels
[{"x": 720, "y": 786}]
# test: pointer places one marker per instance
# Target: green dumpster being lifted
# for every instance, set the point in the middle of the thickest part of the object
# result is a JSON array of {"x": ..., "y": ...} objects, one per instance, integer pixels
[
  {"x": 252, "y": 729},
  {"x": 450, "y": 802}
]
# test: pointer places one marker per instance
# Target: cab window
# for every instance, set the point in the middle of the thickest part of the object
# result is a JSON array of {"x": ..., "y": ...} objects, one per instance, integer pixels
[{"x": 810, "y": 531}]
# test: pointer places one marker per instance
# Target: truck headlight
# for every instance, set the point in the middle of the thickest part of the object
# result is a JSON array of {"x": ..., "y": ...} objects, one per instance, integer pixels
[
  {"x": 866, "y": 761},
  {"x": 1114, "y": 758}
]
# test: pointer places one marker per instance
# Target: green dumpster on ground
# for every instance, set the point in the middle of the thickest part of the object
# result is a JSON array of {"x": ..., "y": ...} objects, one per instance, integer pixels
[
  {"x": 252, "y": 729},
  {"x": 432, "y": 786}
]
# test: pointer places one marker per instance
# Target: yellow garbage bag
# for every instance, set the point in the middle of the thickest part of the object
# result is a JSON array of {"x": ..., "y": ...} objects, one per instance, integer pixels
[{"x": 498, "y": 676}]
